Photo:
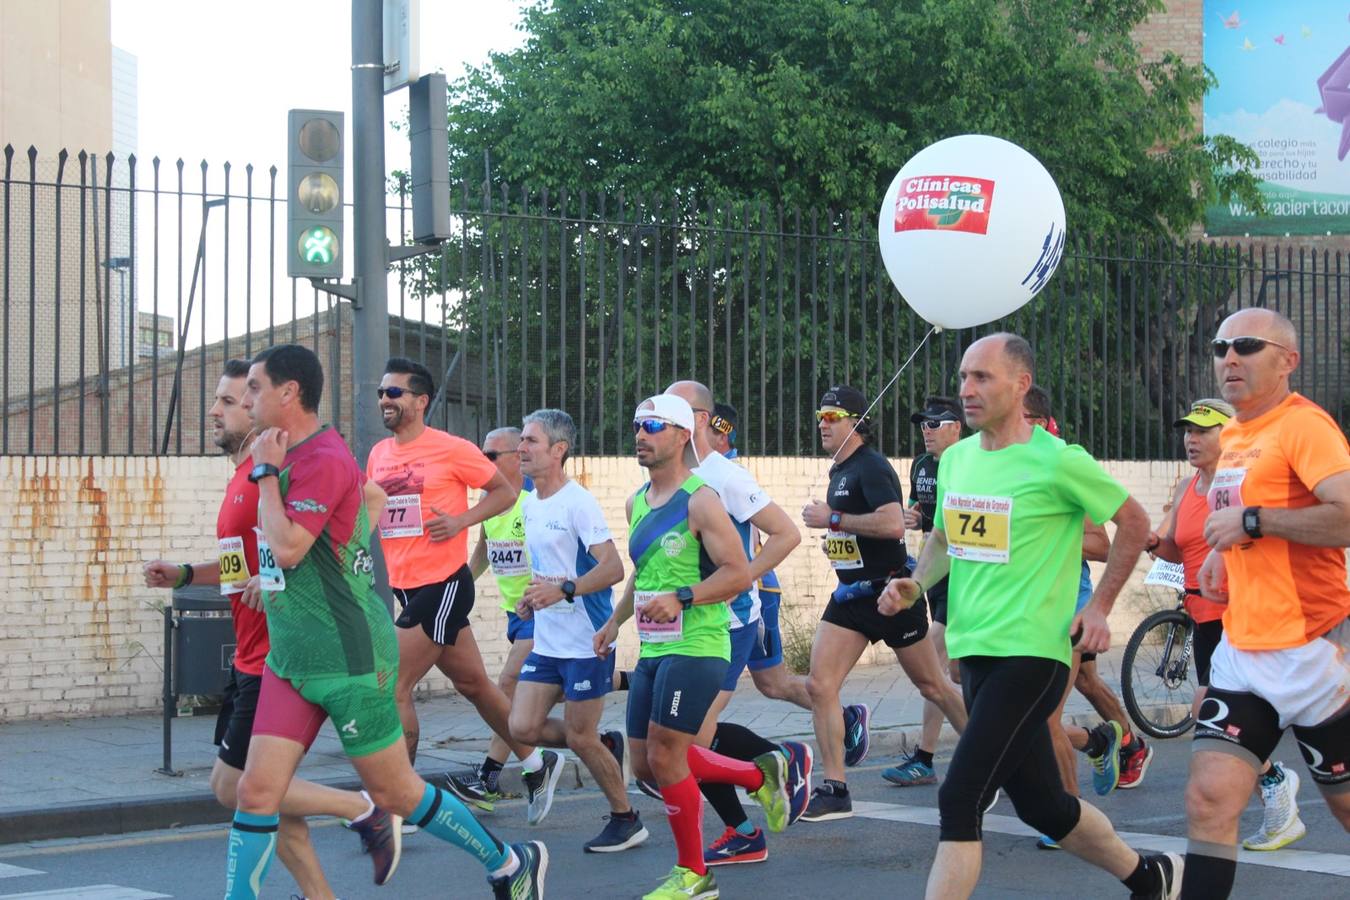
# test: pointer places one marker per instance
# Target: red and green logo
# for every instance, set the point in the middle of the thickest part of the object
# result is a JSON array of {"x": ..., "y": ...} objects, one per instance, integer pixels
[{"x": 944, "y": 203}]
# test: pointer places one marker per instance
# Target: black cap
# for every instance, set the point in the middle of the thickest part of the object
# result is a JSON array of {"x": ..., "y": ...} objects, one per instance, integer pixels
[
  {"x": 845, "y": 398},
  {"x": 724, "y": 418},
  {"x": 938, "y": 409}
]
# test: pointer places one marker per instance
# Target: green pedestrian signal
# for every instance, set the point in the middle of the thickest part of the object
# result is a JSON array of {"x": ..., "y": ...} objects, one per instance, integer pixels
[
  {"x": 314, "y": 207},
  {"x": 319, "y": 246}
]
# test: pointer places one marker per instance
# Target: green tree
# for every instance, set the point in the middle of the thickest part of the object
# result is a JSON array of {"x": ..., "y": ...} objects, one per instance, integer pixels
[{"x": 816, "y": 103}]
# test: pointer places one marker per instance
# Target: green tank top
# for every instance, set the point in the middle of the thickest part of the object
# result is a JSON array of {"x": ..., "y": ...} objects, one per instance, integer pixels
[
  {"x": 506, "y": 553},
  {"x": 668, "y": 556}
]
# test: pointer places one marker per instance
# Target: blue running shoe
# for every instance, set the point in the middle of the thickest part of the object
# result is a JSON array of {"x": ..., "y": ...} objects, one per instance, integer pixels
[
  {"x": 733, "y": 848},
  {"x": 1044, "y": 843},
  {"x": 1106, "y": 768},
  {"x": 857, "y": 735},
  {"x": 909, "y": 773},
  {"x": 799, "y": 762}
]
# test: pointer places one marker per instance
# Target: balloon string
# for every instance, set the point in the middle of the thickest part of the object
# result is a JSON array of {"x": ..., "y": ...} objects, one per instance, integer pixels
[{"x": 894, "y": 378}]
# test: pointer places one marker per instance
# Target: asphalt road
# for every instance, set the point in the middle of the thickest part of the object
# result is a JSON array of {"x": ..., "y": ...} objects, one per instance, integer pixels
[{"x": 884, "y": 851}]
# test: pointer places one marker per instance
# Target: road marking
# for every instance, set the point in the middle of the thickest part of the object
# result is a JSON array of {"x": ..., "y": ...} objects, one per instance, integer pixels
[
  {"x": 1294, "y": 860},
  {"x": 90, "y": 892},
  {"x": 17, "y": 871}
]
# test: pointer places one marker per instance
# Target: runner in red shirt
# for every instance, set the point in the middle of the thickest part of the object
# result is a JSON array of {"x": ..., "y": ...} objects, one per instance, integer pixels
[{"x": 236, "y": 570}]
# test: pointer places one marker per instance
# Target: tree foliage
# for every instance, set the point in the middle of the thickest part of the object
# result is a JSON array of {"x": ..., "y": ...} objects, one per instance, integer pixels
[{"x": 816, "y": 103}]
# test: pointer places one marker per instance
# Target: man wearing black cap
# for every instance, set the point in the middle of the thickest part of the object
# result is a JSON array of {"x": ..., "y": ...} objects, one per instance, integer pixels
[
  {"x": 940, "y": 421},
  {"x": 865, "y": 542}
]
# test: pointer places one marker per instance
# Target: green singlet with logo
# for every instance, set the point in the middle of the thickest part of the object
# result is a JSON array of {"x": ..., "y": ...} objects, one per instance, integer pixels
[
  {"x": 510, "y": 563},
  {"x": 668, "y": 556}
]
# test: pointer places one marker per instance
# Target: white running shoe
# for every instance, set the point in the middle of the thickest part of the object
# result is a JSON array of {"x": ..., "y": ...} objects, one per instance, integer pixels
[{"x": 1280, "y": 826}]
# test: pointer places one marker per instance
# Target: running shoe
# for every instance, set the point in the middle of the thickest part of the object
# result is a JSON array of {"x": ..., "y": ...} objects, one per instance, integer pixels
[
  {"x": 619, "y": 833},
  {"x": 382, "y": 839},
  {"x": 1106, "y": 768},
  {"x": 527, "y": 881},
  {"x": 1134, "y": 761},
  {"x": 857, "y": 733},
  {"x": 1280, "y": 824},
  {"x": 826, "y": 805},
  {"x": 469, "y": 788},
  {"x": 685, "y": 884},
  {"x": 408, "y": 829},
  {"x": 650, "y": 788},
  {"x": 613, "y": 741},
  {"x": 773, "y": 794},
  {"x": 540, "y": 785},
  {"x": 909, "y": 773},
  {"x": 798, "y": 778},
  {"x": 733, "y": 848},
  {"x": 1045, "y": 843},
  {"x": 1170, "y": 869}
]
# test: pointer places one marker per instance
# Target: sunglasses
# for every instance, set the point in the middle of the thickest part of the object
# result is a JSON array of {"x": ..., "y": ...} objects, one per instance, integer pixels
[
  {"x": 493, "y": 454},
  {"x": 393, "y": 393},
  {"x": 935, "y": 424},
  {"x": 1245, "y": 346},
  {"x": 823, "y": 415},
  {"x": 651, "y": 426}
]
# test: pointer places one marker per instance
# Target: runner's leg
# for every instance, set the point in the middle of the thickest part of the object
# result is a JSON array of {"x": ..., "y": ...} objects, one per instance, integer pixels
[
  {"x": 581, "y": 719},
  {"x": 834, "y": 653},
  {"x": 417, "y": 653},
  {"x": 462, "y": 663},
  {"x": 920, "y": 662}
]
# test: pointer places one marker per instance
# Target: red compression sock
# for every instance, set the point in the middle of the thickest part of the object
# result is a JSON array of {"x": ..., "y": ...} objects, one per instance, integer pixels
[
  {"x": 709, "y": 766},
  {"x": 684, "y": 807}
]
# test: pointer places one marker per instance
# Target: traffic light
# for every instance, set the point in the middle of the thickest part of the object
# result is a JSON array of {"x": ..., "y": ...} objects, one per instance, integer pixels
[{"x": 314, "y": 193}]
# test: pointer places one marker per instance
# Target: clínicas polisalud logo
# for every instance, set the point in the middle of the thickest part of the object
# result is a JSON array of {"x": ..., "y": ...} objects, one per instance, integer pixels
[{"x": 944, "y": 203}]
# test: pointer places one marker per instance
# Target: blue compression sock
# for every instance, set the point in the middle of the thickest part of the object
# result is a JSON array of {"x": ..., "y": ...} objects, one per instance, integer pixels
[
  {"x": 445, "y": 817},
  {"x": 253, "y": 843}
]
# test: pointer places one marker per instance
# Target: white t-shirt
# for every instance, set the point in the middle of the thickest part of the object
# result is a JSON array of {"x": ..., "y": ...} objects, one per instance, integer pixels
[
  {"x": 743, "y": 498},
  {"x": 559, "y": 532}
]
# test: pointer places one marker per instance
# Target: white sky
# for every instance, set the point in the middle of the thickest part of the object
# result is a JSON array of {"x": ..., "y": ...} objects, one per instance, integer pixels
[{"x": 215, "y": 81}]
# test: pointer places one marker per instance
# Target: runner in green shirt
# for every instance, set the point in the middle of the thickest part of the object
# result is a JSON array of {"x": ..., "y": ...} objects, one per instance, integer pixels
[
  {"x": 1009, "y": 529},
  {"x": 690, "y": 562}
]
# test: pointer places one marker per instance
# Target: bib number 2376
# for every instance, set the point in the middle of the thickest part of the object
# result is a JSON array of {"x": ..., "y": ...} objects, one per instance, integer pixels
[{"x": 978, "y": 527}]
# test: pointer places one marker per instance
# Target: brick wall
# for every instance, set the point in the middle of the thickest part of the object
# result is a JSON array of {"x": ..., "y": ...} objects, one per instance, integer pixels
[{"x": 80, "y": 635}]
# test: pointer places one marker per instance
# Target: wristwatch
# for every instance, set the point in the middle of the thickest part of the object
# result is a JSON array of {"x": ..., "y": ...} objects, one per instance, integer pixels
[
  {"x": 569, "y": 589},
  {"x": 1251, "y": 521},
  {"x": 835, "y": 519},
  {"x": 686, "y": 597},
  {"x": 263, "y": 470}
]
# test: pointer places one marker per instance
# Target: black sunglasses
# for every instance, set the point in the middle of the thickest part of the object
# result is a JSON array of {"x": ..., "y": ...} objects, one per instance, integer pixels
[
  {"x": 493, "y": 454},
  {"x": 1245, "y": 346},
  {"x": 393, "y": 393}
]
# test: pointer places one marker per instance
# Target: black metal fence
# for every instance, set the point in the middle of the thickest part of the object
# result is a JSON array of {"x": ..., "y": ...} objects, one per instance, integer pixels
[{"x": 124, "y": 289}]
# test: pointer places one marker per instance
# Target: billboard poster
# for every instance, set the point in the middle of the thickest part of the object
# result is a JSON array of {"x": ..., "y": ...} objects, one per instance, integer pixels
[{"x": 1284, "y": 90}]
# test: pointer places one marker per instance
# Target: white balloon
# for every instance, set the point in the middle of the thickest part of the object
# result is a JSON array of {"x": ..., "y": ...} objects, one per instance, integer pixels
[{"x": 971, "y": 229}]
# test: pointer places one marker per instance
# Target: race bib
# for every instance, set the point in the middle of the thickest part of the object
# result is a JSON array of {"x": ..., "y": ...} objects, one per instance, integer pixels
[
  {"x": 270, "y": 576},
  {"x": 842, "y": 550},
  {"x": 978, "y": 527},
  {"x": 402, "y": 516},
  {"x": 650, "y": 632},
  {"x": 233, "y": 565},
  {"x": 1226, "y": 489},
  {"x": 507, "y": 558},
  {"x": 562, "y": 606}
]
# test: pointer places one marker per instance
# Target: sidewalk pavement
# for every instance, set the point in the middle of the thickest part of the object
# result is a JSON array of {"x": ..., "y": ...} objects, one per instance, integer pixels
[{"x": 78, "y": 777}]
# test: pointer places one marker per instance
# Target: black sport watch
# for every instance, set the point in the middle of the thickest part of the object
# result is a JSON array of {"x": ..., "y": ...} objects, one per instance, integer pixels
[
  {"x": 569, "y": 589},
  {"x": 263, "y": 470},
  {"x": 1251, "y": 521},
  {"x": 686, "y": 597}
]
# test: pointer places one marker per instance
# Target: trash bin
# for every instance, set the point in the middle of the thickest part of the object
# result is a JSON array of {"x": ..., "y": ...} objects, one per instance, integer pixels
[{"x": 199, "y": 649}]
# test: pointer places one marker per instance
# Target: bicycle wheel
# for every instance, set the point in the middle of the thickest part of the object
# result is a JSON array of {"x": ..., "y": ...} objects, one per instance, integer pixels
[{"x": 1157, "y": 680}]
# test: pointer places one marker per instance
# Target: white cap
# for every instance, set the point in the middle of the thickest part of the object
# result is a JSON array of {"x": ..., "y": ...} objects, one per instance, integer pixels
[{"x": 667, "y": 408}]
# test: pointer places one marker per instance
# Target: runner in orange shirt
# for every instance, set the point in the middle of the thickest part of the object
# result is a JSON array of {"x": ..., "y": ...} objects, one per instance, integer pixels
[
  {"x": 1278, "y": 525},
  {"x": 424, "y": 532}
]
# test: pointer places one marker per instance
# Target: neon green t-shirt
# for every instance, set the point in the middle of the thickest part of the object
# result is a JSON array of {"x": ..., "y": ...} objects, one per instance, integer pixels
[
  {"x": 1013, "y": 520},
  {"x": 669, "y": 557},
  {"x": 510, "y": 562}
]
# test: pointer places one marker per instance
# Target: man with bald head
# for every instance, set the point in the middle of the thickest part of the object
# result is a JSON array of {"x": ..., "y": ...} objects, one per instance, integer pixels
[
  {"x": 1008, "y": 534},
  {"x": 1278, "y": 524}
]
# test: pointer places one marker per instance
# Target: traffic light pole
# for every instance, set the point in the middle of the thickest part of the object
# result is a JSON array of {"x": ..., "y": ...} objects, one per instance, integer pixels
[{"x": 370, "y": 329}]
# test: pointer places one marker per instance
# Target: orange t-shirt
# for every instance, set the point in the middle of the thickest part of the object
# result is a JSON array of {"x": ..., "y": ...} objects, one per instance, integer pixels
[
  {"x": 434, "y": 469},
  {"x": 1190, "y": 538},
  {"x": 1281, "y": 594}
]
